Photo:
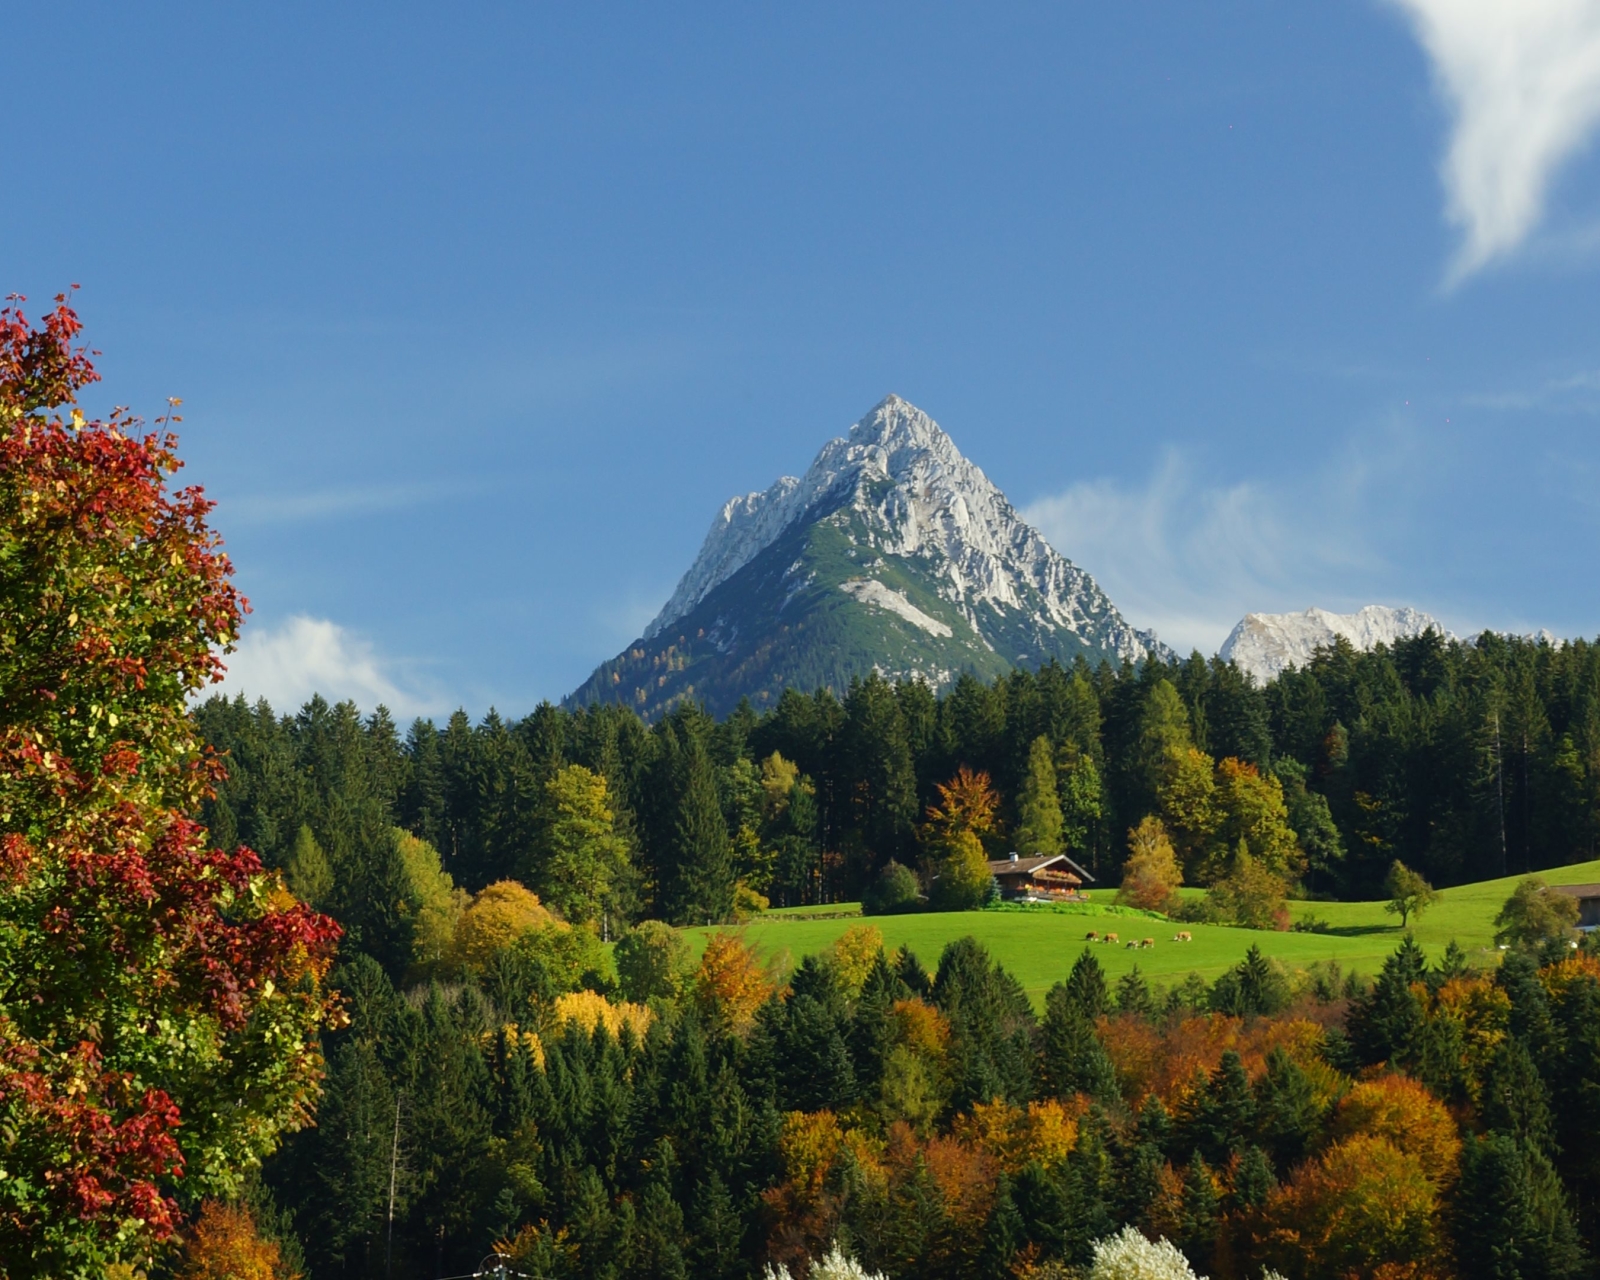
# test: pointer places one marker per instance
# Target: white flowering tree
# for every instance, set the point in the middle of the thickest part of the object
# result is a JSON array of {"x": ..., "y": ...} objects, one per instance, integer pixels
[
  {"x": 1129, "y": 1256},
  {"x": 834, "y": 1265}
]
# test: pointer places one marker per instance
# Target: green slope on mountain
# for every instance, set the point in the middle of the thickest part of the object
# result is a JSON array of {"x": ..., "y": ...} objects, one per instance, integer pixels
[{"x": 789, "y": 619}]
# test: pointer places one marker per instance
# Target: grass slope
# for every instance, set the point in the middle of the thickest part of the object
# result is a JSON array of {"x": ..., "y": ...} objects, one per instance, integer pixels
[{"x": 1039, "y": 945}]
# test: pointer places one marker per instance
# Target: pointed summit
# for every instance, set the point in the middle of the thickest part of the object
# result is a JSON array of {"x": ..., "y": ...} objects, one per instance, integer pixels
[{"x": 892, "y": 553}]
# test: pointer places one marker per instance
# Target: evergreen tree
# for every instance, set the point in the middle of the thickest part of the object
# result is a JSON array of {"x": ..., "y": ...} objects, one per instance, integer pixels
[
  {"x": 1386, "y": 1025},
  {"x": 698, "y": 884},
  {"x": 1133, "y": 994},
  {"x": 308, "y": 873},
  {"x": 1286, "y": 1110},
  {"x": 1513, "y": 1099},
  {"x": 1510, "y": 1219},
  {"x": 1086, "y": 988},
  {"x": 1219, "y": 1119},
  {"x": 355, "y": 1153},
  {"x": 1200, "y": 1215},
  {"x": 717, "y": 1253},
  {"x": 1072, "y": 1059},
  {"x": 1003, "y": 1234},
  {"x": 1039, "y": 823}
]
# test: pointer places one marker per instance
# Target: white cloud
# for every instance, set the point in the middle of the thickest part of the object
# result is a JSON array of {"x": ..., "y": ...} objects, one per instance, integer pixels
[
  {"x": 304, "y": 656},
  {"x": 1522, "y": 80},
  {"x": 1190, "y": 559}
]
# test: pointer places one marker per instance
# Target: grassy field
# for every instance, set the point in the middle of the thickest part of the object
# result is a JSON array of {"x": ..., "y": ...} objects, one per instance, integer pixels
[{"x": 1038, "y": 945}]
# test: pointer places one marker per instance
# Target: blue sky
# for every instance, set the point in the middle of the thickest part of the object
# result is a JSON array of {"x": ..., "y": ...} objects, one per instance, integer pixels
[{"x": 479, "y": 313}]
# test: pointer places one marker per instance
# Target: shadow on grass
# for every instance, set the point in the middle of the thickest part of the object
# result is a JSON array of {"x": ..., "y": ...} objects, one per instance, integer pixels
[{"x": 1359, "y": 930}]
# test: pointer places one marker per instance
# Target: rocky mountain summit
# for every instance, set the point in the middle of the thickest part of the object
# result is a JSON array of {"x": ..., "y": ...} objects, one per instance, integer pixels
[
  {"x": 1266, "y": 644},
  {"x": 892, "y": 553}
]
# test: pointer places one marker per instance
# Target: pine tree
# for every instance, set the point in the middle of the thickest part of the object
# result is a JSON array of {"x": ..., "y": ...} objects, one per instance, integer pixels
[
  {"x": 1039, "y": 822},
  {"x": 355, "y": 1152},
  {"x": 1133, "y": 994}
]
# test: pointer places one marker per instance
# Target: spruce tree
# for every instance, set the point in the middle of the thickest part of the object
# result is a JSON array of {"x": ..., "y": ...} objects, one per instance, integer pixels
[
  {"x": 1220, "y": 1118},
  {"x": 1003, "y": 1234},
  {"x": 1509, "y": 1215},
  {"x": 1200, "y": 1214},
  {"x": 1286, "y": 1110},
  {"x": 716, "y": 1253},
  {"x": 698, "y": 886},
  {"x": 1386, "y": 1025},
  {"x": 1072, "y": 1059},
  {"x": 308, "y": 873},
  {"x": 1086, "y": 987},
  {"x": 1038, "y": 806},
  {"x": 1513, "y": 1099}
]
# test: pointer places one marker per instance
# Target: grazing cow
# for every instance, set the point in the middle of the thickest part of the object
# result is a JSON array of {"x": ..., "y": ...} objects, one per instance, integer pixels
[
  {"x": 1148, "y": 942},
  {"x": 1132, "y": 945},
  {"x": 1111, "y": 938},
  {"x": 1092, "y": 936},
  {"x": 1183, "y": 937}
]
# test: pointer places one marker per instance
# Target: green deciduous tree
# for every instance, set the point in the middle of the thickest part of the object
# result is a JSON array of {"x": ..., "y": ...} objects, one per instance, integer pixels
[
  {"x": 1535, "y": 914},
  {"x": 1409, "y": 894}
]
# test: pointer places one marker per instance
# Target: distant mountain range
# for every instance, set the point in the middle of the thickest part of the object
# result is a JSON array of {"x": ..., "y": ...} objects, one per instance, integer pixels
[
  {"x": 893, "y": 553},
  {"x": 1266, "y": 644}
]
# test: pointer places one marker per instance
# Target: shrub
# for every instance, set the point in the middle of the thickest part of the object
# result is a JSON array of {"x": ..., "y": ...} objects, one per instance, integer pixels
[
  {"x": 653, "y": 961},
  {"x": 895, "y": 890}
]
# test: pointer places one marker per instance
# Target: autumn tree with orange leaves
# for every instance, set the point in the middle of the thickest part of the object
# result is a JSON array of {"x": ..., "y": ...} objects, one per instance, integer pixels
[{"x": 158, "y": 998}]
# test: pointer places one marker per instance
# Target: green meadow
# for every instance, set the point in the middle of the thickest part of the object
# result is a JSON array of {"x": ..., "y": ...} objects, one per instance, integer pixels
[{"x": 1039, "y": 943}]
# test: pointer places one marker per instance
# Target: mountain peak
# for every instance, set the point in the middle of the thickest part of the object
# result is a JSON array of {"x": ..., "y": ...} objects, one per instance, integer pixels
[{"x": 892, "y": 553}]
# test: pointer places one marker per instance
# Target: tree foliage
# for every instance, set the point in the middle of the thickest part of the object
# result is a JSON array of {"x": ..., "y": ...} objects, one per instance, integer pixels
[{"x": 160, "y": 997}]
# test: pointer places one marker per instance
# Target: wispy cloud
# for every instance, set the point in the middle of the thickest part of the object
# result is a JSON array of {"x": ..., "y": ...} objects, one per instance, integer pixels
[
  {"x": 1577, "y": 393},
  {"x": 1521, "y": 79},
  {"x": 307, "y": 655},
  {"x": 1191, "y": 559},
  {"x": 343, "y": 502}
]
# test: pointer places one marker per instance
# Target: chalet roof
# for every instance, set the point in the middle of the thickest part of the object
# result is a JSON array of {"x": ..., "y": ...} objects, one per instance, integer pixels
[
  {"x": 1578, "y": 890},
  {"x": 1015, "y": 865}
]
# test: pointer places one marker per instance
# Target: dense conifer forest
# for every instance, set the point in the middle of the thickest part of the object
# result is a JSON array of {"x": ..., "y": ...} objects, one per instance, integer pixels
[{"x": 503, "y": 1082}]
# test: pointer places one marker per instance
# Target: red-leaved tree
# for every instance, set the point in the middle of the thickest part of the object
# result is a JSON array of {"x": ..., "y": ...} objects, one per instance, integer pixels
[{"x": 159, "y": 999}]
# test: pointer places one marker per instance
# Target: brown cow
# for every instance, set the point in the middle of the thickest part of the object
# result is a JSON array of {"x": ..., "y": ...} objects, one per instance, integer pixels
[
  {"x": 1183, "y": 937},
  {"x": 1091, "y": 936},
  {"x": 1148, "y": 942},
  {"x": 1111, "y": 938}
]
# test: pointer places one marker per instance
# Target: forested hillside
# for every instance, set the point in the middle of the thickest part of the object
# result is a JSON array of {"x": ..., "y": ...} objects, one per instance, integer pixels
[
  {"x": 504, "y": 1082},
  {"x": 1464, "y": 761}
]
